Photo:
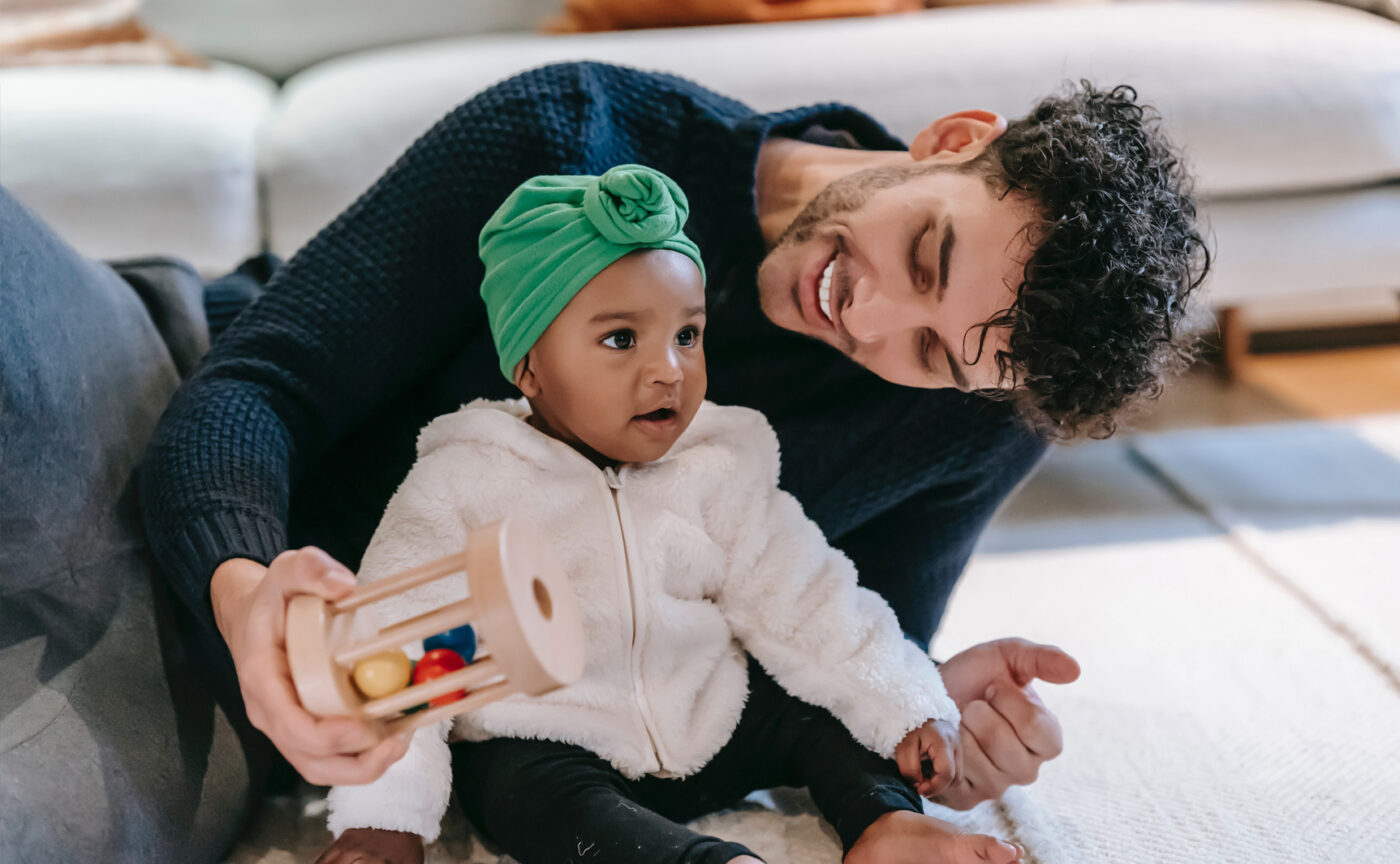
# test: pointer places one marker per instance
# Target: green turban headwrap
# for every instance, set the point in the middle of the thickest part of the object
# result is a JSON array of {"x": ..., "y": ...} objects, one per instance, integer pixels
[{"x": 555, "y": 233}]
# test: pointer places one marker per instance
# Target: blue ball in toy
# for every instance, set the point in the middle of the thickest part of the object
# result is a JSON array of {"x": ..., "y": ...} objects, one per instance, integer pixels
[{"x": 459, "y": 639}]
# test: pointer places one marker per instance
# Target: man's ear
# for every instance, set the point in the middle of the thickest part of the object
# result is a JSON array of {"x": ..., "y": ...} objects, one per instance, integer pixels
[
  {"x": 525, "y": 377},
  {"x": 957, "y": 137}
]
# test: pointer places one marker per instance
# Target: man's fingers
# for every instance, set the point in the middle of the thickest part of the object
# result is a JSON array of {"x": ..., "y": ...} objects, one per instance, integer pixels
[
  {"x": 310, "y": 571},
  {"x": 303, "y": 571},
  {"x": 960, "y": 796},
  {"x": 1032, "y": 722},
  {"x": 351, "y": 770},
  {"x": 1028, "y": 661},
  {"x": 982, "y": 779},
  {"x": 291, "y": 726},
  {"x": 998, "y": 744}
]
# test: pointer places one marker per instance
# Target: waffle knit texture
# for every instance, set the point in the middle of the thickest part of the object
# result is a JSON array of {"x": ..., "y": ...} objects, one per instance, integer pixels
[{"x": 301, "y": 421}]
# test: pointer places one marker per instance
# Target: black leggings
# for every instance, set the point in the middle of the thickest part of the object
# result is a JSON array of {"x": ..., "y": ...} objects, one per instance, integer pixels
[{"x": 541, "y": 801}]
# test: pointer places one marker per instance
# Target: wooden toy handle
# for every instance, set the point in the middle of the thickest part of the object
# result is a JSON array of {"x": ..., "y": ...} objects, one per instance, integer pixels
[{"x": 405, "y": 581}]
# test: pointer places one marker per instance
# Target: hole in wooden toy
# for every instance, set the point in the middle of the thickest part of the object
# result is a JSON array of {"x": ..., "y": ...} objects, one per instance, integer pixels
[{"x": 542, "y": 600}]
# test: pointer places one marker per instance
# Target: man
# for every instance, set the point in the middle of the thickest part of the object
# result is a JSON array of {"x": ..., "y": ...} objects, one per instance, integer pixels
[{"x": 1047, "y": 262}]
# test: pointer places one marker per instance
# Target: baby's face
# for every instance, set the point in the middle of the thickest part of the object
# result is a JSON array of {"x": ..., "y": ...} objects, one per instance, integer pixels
[{"x": 621, "y": 372}]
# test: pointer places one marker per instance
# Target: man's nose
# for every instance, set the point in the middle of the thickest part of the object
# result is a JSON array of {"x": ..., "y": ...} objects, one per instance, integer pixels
[{"x": 872, "y": 314}]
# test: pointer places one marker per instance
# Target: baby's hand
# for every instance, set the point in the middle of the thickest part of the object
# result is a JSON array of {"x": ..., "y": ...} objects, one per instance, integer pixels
[
  {"x": 930, "y": 757},
  {"x": 374, "y": 846}
]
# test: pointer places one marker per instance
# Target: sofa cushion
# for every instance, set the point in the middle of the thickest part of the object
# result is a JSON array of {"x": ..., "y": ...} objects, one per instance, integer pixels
[
  {"x": 1337, "y": 241},
  {"x": 131, "y": 161},
  {"x": 1268, "y": 96},
  {"x": 279, "y": 37}
]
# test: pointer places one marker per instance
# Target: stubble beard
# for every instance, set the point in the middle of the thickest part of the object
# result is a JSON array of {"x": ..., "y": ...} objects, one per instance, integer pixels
[{"x": 844, "y": 195}]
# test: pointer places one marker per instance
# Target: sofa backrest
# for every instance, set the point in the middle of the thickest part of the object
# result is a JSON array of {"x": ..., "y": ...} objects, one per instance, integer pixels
[{"x": 280, "y": 37}]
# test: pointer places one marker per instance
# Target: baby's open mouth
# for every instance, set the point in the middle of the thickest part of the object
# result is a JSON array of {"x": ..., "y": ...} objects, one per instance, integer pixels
[{"x": 659, "y": 415}]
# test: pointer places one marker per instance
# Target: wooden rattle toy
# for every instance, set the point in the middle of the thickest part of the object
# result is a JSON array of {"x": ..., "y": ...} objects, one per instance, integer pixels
[{"x": 517, "y": 631}]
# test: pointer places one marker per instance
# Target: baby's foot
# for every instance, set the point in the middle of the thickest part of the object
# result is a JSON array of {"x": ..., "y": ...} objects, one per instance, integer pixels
[{"x": 903, "y": 837}]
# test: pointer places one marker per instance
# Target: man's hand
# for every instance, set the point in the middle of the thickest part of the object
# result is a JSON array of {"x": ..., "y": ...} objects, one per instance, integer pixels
[
  {"x": 1007, "y": 732},
  {"x": 250, "y": 608},
  {"x": 930, "y": 757},
  {"x": 374, "y": 846}
]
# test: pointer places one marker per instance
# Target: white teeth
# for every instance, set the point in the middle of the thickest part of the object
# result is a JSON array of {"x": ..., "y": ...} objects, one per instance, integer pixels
[{"x": 824, "y": 290}]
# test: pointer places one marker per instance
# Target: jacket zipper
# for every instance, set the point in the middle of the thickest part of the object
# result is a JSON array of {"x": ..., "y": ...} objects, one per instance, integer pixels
[{"x": 614, "y": 481}]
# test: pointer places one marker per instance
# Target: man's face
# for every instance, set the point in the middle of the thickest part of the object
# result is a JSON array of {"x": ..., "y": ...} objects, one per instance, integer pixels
[
  {"x": 898, "y": 278},
  {"x": 620, "y": 372}
]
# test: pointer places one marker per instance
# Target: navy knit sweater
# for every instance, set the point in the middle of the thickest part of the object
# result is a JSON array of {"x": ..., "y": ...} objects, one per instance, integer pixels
[{"x": 301, "y": 422}]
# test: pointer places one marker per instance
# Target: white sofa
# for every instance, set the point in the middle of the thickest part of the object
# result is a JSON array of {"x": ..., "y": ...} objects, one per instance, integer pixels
[{"x": 1288, "y": 110}]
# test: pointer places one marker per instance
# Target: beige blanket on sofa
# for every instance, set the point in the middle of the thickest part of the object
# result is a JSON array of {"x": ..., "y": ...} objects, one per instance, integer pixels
[{"x": 71, "y": 32}]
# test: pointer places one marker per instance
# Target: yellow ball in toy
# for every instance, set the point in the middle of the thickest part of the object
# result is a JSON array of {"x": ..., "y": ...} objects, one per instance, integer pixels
[{"x": 382, "y": 674}]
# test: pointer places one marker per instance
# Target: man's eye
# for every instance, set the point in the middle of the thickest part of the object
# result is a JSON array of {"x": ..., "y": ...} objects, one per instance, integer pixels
[
  {"x": 925, "y": 347},
  {"x": 688, "y": 337},
  {"x": 622, "y": 340}
]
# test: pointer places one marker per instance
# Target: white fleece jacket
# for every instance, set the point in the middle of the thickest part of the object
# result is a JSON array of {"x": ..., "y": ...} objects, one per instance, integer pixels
[{"x": 679, "y": 566}]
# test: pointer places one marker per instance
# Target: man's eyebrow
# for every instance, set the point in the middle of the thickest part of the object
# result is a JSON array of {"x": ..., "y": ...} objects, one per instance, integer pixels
[
  {"x": 956, "y": 368},
  {"x": 945, "y": 252}
]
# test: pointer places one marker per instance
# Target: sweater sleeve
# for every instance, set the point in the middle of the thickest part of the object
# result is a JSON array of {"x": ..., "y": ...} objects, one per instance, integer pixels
[
  {"x": 355, "y": 319},
  {"x": 424, "y": 521},
  {"x": 795, "y": 604},
  {"x": 913, "y": 553}
]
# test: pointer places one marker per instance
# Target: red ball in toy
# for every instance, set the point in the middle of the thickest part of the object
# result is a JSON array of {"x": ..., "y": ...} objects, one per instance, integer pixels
[{"x": 435, "y": 664}]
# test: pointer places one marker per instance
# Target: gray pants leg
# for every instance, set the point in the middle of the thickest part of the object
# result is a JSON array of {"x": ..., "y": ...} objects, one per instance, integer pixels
[{"x": 112, "y": 746}]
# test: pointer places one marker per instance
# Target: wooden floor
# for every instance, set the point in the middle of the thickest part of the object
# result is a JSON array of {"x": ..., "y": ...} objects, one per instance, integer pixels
[
  {"x": 1331, "y": 383},
  {"x": 1285, "y": 386}
]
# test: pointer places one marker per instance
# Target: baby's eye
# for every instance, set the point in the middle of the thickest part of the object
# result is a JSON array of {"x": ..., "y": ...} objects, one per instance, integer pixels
[
  {"x": 688, "y": 337},
  {"x": 622, "y": 340}
]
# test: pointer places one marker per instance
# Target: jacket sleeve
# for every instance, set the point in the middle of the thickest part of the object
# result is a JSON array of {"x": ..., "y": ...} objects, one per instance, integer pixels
[
  {"x": 424, "y": 520},
  {"x": 795, "y": 604},
  {"x": 411, "y": 796},
  {"x": 913, "y": 552}
]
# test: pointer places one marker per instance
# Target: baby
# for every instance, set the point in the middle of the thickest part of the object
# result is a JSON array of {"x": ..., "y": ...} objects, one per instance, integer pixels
[{"x": 729, "y": 648}]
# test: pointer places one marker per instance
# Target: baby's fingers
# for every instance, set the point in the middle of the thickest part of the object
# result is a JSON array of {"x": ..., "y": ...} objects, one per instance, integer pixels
[
  {"x": 907, "y": 756},
  {"x": 944, "y": 764}
]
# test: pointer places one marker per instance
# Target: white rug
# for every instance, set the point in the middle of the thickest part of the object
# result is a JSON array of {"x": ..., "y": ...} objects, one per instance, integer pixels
[
  {"x": 781, "y": 825},
  {"x": 1317, "y": 505}
]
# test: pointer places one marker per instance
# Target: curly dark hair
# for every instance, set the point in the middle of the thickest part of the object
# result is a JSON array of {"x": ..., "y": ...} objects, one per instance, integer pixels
[{"x": 1096, "y": 326}]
